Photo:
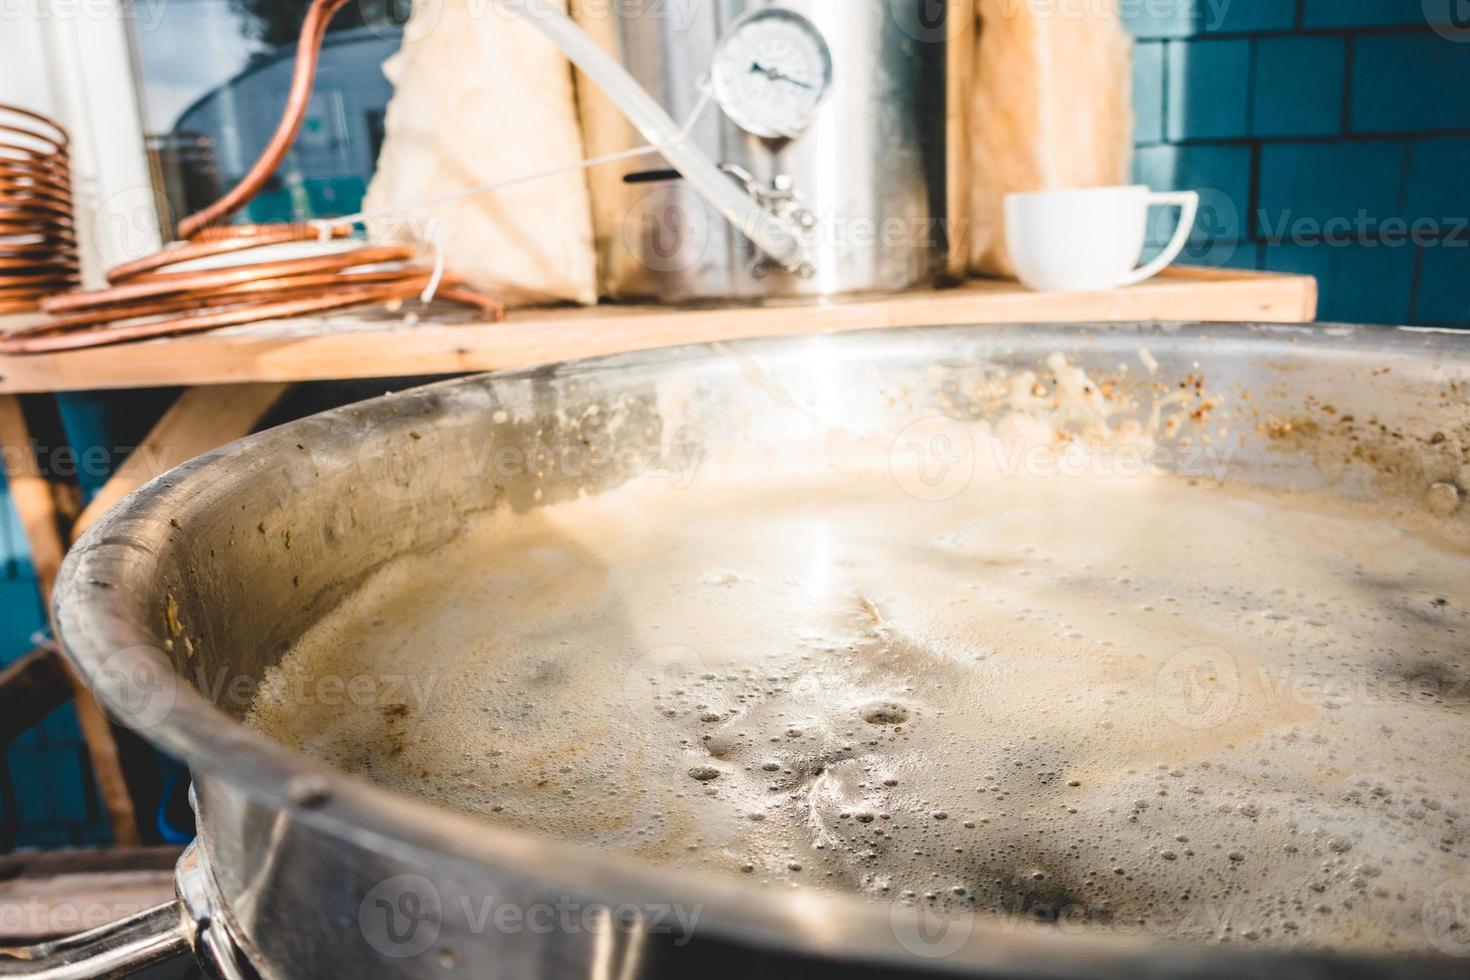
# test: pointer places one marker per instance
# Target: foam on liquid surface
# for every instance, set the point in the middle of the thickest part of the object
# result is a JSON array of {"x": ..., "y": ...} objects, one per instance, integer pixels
[{"x": 1138, "y": 703}]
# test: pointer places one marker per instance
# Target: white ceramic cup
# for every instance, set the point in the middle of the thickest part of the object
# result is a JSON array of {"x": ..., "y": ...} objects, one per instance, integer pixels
[{"x": 1091, "y": 239}]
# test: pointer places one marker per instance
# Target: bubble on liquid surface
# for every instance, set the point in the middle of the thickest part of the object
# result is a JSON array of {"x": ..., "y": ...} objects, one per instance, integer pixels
[
  {"x": 995, "y": 703},
  {"x": 884, "y": 713}
]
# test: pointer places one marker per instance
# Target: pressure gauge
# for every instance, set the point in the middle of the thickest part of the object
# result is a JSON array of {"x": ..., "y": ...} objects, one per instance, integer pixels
[{"x": 771, "y": 71}]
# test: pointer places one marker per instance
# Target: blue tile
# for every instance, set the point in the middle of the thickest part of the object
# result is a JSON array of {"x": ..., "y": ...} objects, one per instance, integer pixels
[
  {"x": 1148, "y": 92},
  {"x": 12, "y": 535},
  {"x": 1371, "y": 284},
  {"x": 104, "y": 425},
  {"x": 95, "y": 833},
  {"x": 1357, "y": 284},
  {"x": 1444, "y": 285},
  {"x": 46, "y": 836},
  {"x": 28, "y": 773},
  {"x": 61, "y": 725},
  {"x": 1208, "y": 87},
  {"x": 1188, "y": 18},
  {"x": 1214, "y": 254},
  {"x": 1299, "y": 260},
  {"x": 1226, "y": 255},
  {"x": 17, "y": 560},
  {"x": 1306, "y": 183},
  {"x": 1165, "y": 18},
  {"x": 1298, "y": 86},
  {"x": 1362, "y": 13},
  {"x": 1248, "y": 16},
  {"x": 22, "y": 615},
  {"x": 69, "y": 775},
  {"x": 1448, "y": 17},
  {"x": 85, "y": 418},
  {"x": 1315, "y": 262},
  {"x": 1409, "y": 83},
  {"x": 8, "y": 524},
  {"x": 1437, "y": 184},
  {"x": 1221, "y": 174}
]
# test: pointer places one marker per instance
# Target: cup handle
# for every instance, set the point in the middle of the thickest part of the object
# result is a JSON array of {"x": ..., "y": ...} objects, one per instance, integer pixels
[{"x": 1188, "y": 204}]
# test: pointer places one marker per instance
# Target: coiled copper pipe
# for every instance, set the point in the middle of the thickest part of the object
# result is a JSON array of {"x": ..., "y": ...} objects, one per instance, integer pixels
[
  {"x": 38, "y": 245},
  {"x": 151, "y": 297}
]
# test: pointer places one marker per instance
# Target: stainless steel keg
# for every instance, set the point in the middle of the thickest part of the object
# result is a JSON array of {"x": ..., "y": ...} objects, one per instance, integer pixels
[{"x": 846, "y": 116}]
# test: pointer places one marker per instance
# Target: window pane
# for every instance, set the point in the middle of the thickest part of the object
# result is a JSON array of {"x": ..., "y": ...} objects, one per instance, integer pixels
[{"x": 214, "y": 79}]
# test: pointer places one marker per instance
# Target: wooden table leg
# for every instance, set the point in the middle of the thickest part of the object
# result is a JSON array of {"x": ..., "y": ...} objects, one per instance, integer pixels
[
  {"x": 200, "y": 420},
  {"x": 30, "y": 689}
]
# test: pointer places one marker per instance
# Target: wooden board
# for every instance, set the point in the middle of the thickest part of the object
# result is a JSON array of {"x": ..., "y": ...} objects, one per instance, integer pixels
[{"x": 366, "y": 345}]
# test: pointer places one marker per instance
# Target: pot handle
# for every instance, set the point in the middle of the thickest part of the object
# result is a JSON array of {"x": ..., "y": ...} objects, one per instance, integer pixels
[{"x": 122, "y": 949}]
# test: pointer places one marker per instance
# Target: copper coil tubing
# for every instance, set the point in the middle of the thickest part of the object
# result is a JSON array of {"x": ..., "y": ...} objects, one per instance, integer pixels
[
  {"x": 38, "y": 244},
  {"x": 152, "y": 297}
]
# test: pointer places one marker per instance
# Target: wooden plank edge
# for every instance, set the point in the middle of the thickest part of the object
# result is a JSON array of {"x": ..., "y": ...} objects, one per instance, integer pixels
[{"x": 544, "y": 336}]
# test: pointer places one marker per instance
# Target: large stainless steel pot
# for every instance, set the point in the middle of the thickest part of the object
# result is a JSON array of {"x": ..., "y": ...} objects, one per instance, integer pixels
[
  {"x": 174, "y": 604},
  {"x": 878, "y": 180}
]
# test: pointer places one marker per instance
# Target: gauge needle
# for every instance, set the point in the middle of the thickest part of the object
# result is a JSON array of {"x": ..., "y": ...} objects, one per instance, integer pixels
[{"x": 776, "y": 75}]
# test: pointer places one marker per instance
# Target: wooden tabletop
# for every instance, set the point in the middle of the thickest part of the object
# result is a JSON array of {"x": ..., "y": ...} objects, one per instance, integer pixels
[{"x": 383, "y": 344}]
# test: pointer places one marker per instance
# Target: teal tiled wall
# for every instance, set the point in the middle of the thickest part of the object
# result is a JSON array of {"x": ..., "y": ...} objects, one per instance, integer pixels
[{"x": 1326, "y": 136}]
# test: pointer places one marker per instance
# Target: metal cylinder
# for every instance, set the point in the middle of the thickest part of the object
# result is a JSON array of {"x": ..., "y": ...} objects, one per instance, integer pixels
[
  {"x": 878, "y": 177},
  {"x": 317, "y": 874}
]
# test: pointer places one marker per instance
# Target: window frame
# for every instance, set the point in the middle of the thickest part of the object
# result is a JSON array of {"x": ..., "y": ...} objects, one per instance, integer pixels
[{"x": 94, "y": 80}]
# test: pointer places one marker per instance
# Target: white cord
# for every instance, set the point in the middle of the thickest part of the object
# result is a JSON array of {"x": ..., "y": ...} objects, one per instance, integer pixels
[{"x": 427, "y": 296}]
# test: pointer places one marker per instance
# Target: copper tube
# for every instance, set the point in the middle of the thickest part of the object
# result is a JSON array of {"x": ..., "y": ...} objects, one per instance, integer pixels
[
  {"x": 48, "y": 337},
  {"x": 257, "y": 291},
  {"x": 58, "y": 135},
  {"x": 38, "y": 246},
  {"x": 308, "y": 51},
  {"x": 220, "y": 243},
  {"x": 161, "y": 284},
  {"x": 150, "y": 301}
]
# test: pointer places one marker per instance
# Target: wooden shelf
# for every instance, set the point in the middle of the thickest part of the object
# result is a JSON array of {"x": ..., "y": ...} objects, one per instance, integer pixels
[{"x": 379, "y": 344}]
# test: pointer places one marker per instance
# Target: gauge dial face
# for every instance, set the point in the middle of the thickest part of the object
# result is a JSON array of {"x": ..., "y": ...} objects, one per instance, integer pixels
[{"x": 771, "y": 72}]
